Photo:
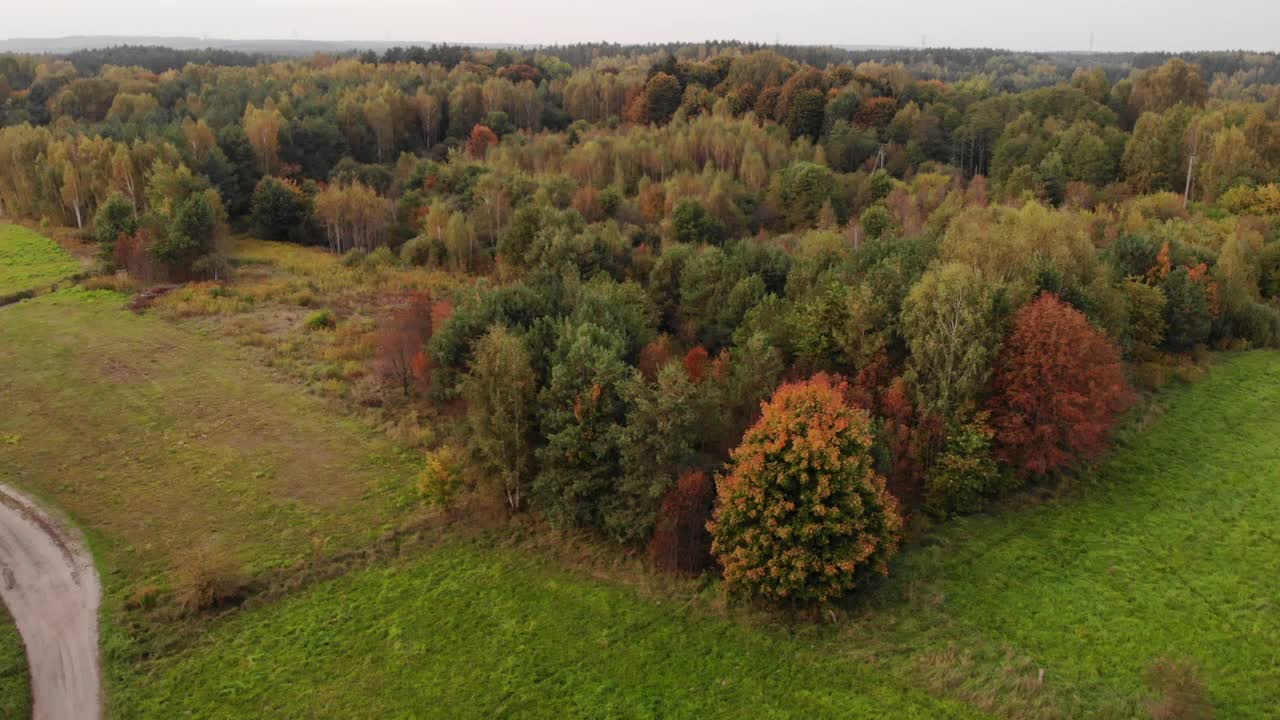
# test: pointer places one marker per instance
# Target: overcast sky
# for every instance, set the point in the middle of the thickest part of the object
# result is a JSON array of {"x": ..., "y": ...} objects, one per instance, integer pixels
[{"x": 1016, "y": 24}]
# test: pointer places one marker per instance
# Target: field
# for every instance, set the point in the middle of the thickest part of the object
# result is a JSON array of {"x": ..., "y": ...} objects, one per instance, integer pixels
[
  {"x": 1164, "y": 551},
  {"x": 29, "y": 260},
  {"x": 166, "y": 442}
]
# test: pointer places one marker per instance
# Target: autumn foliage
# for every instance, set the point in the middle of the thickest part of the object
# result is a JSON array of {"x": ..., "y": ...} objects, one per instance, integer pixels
[
  {"x": 802, "y": 514},
  {"x": 402, "y": 358},
  {"x": 1058, "y": 388},
  {"x": 680, "y": 541},
  {"x": 480, "y": 140}
]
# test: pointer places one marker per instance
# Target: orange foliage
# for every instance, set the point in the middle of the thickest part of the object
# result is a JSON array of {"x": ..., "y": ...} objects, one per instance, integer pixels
[
  {"x": 802, "y": 514},
  {"x": 1058, "y": 388}
]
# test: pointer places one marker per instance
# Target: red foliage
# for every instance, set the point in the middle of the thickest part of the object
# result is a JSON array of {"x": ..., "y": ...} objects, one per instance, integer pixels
[
  {"x": 911, "y": 440},
  {"x": 402, "y": 359},
  {"x": 480, "y": 140},
  {"x": 681, "y": 543},
  {"x": 695, "y": 364},
  {"x": 1058, "y": 388},
  {"x": 655, "y": 355}
]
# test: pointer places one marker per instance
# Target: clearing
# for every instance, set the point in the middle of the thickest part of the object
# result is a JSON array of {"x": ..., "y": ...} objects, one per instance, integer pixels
[{"x": 29, "y": 260}]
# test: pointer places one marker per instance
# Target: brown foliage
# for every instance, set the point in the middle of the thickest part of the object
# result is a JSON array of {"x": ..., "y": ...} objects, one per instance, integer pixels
[
  {"x": 208, "y": 580},
  {"x": 655, "y": 355},
  {"x": 1058, "y": 388},
  {"x": 681, "y": 543}
]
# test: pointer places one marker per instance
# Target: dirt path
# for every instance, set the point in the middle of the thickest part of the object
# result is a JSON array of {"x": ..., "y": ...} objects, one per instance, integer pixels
[{"x": 48, "y": 581}]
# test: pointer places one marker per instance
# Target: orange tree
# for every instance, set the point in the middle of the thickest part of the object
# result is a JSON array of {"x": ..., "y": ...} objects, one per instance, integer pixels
[{"x": 802, "y": 515}]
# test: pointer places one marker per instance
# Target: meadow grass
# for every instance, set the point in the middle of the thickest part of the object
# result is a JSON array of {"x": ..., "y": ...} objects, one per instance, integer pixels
[
  {"x": 29, "y": 260},
  {"x": 159, "y": 441},
  {"x": 1050, "y": 611},
  {"x": 15, "y": 683}
]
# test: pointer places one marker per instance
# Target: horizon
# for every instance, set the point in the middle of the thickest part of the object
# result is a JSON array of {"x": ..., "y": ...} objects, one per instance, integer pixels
[
  {"x": 108, "y": 40},
  {"x": 1088, "y": 25}
]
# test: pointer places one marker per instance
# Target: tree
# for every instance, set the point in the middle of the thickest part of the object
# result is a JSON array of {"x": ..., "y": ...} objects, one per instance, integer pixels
[
  {"x": 1188, "y": 313},
  {"x": 949, "y": 324},
  {"x": 402, "y": 343},
  {"x": 501, "y": 392},
  {"x": 280, "y": 210},
  {"x": 662, "y": 97},
  {"x": 693, "y": 224},
  {"x": 1057, "y": 390},
  {"x": 583, "y": 411},
  {"x": 802, "y": 515},
  {"x": 480, "y": 140},
  {"x": 656, "y": 443},
  {"x": 263, "y": 128},
  {"x": 116, "y": 217}
]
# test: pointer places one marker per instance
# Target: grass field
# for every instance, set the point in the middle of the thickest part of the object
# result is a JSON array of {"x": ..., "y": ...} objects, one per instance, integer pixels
[
  {"x": 15, "y": 685},
  {"x": 159, "y": 441},
  {"x": 1167, "y": 550},
  {"x": 29, "y": 260}
]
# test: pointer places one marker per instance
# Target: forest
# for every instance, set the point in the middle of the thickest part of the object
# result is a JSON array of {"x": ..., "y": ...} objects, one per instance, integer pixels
[{"x": 754, "y": 310}]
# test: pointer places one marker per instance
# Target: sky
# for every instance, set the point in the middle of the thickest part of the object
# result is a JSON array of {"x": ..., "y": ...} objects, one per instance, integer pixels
[{"x": 1020, "y": 25}]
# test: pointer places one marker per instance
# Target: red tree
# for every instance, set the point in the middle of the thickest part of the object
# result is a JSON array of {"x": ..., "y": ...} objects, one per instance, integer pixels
[
  {"x": 480, "y": 140},
  {"x": 655, "y": 355},
  {"x": 1058, "y": 388},
  {"x": 695, "y": 364},
  {"x": 681, "y": 543},
  {"x": 402, "y": 359}
]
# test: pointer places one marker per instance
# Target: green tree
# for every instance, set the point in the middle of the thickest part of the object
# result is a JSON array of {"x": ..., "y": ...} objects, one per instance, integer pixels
[
  {"x": 501, "y": 393},
  {"x": 583, "y": 413},
  {"x": 949, "y": 323},
  {"x": 280, "y": 210},
  {"x": 115, "y": 217}
]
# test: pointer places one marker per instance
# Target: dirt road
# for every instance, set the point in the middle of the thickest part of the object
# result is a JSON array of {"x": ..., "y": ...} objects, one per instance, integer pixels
[{"x": 48, "y": 581}]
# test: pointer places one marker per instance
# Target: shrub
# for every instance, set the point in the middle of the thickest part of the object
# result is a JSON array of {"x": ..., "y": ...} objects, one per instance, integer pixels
[
  {"x": 321, "y": 320},
  {"x": 1178, "y": 692},
  {"x": 1058, "y": 388},
  {"x": 965, "y": 474},
  {"x": 354, "y": 258},
  {"x": 207, "y": 579},
  {"x": 441, "y": 478},
  {"x": 1146, "y": 306},
  {"x": 681, "y": 543},
  {"x": 802, "y": 515}
]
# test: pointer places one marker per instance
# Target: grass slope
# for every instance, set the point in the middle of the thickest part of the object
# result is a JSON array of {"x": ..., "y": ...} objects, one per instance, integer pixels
[
  {"x": 468, "y": 632},
  {"x": 1168, "y": 549},
  {"x": 1172, "y": 549},
  {"x": 29, "y": 260}
]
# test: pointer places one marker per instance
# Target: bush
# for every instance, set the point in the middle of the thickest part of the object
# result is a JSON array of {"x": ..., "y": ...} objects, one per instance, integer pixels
[
  {"x": 965, "y": 474},
  {"x": 422, "y": 251},
  {"x": 354, "y": 258},
  {"x": 207, "y": 579},
  {"x": 802, "y": 515},
  {"x": 681, "y": 543},
  {"x": 321, "y": 320},
  {"x": 1178, "y": 692},
  {"x": 441, "y": 479}
]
